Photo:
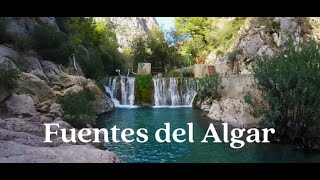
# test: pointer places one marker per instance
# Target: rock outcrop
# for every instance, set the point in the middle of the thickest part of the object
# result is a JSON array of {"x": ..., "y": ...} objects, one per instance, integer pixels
[
  {"x": 263, "y": 36},
  {"x": 128, "y": 28},
  {"x": 36, "y": 100},
  {"x": 21, "y": 27},
  {"x": 21, "y": 105},
  {"x": 35, "y": 87},
  {"x": 12, "y": 152}
]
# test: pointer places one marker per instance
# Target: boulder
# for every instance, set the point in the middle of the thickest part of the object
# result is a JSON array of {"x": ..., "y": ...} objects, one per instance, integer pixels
[
  {"x": 33, "y": 66},
  {"x": 22, "y": 138},
  {"x": 26, "y": 125},
  {"x": 6, "y": 62},
  {"x": 12, "y": 152},
  {"x": 235, "y": 112},
  {"x": 51, "y": 70},
  {"x": 250, "y": 45},
  {"x": 22, "y": 27},
  {"x": 102, "y": 102},
  {"x": 6, "y": 51},
  {"x": 34, "y": 86},
  {"x": 21, "y": 105}
]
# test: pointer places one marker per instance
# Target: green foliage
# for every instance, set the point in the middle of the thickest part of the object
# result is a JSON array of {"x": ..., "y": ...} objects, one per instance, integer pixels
[
  {"x": 144, "y": 89},
  {"x": 290, "y": 86},
  {"x": 223, "y": 38},
  {"x": 208, "y": 86},
  {"x": 78, "y": 109},
  {"x": 199, "y": 35},
  {"x": 51, "y": 44},
  {"x": 155, "y": 50},
  {"x": 187, "y": 73},
  {"x": 139, "y": 50},
  {"x": 193, "y": 32},
  {"x": 173, "y": 73},
  {"x": 9, "y": 75},
  {"x": 99, "y": 38},
  {"x": 3, "y": 30},
  {"x": 25, "y": 43}
]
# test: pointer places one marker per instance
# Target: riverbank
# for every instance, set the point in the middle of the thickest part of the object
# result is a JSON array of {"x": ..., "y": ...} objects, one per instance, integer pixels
[{"x": 35, "y": 100}]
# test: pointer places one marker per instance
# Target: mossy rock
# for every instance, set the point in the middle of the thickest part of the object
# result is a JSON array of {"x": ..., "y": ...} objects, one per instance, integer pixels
[{"x": 144, "y": 90}]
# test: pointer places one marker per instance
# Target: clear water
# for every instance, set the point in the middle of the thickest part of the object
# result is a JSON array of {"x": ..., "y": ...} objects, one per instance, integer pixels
[{"x": 152, "y": 151}]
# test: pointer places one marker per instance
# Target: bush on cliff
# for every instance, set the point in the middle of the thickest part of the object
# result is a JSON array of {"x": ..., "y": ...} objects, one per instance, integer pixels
[
  {"x": 9, "y": 75},
  {"x": 290, "y": 85},
  {"x": 51, "y": 45},
  {"x": 208, "y": 86},
  {"x": 78, "y": 109},
  {"x": 3, "y": 29}
]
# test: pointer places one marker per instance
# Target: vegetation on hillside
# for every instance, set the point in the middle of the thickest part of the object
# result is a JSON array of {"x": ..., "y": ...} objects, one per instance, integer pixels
[
  {"x": 200, "y": 35},
  {"x": 290, "y": 99},
  {"x": 156, "y": 50},
  {"x": 208, "y": 86},
  {"x": 78, "y": 109},
  {"x": 9, "y": 75}
]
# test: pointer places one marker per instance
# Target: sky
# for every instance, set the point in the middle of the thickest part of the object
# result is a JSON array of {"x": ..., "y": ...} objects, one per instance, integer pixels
[{"x": 166, "y": 23}]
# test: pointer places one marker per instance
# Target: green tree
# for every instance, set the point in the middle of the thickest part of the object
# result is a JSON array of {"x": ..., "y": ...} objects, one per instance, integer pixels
[
  {"x": 139, "y": 50},
  {"x": 156, "y": 50},
  {"x": 99, "y": 38},
  {"x": 290, "y": 99},
  {"x": 9, "y": 75},
  {"x": 3, "y": 30},
  {"x": 78, "y": 109},
  {"x": 193, "y": 31},
  {"x": 51, "y": 44}
]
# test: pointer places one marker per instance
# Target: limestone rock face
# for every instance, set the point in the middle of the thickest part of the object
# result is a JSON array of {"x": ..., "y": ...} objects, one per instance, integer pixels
[
  {"x": 235, "y": 112},
  {"x": 232, "y": 108},
  {"x": 21, "y": 105},
  {"x": 128, "y": 28},
  {"x": 21, "y": 27},
  {"x": 34, "y": 86},
  {"x": 102, "y": 102},
  {"x": 12, "y": 152}
]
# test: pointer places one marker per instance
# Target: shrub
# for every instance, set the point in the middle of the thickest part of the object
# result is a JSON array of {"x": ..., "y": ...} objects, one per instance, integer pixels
[
  {"x": 9, "y": 75},
  {"x": 51, "y": 44},
  {"x": 25, "y": 43},
  {"x": 3, "y": 30},
  {"x": 290, "y": 86},
  {"x": 173, "y": 73},
  {"x": 78, "y": 109},
  {"x": 144, "y": 89},
  {"x": 208, "y": 86},
  {"x": 187, "y": 73}
]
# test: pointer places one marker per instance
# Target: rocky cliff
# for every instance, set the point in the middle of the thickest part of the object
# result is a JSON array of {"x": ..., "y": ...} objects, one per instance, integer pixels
[
  {"x": 263, "y": 36},
  {"x": 36, "y": 100},
  {"x": 127, "y": 28}
]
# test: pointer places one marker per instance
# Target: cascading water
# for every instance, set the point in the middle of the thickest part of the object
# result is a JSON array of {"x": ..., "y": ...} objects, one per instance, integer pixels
[
  {"x": 126, "y": 86},
  {"x": 173, "y": 92}
]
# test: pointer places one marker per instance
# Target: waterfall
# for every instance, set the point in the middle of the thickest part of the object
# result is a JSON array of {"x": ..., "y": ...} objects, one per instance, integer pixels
[
  {"x": 126, "y": 86},
  {"x": 131, "y": 90},
  {"x": 160, "y": 91},
  {"x": 173, "y": 92},
  {"x": 110, "y": 89},
  {"x": 124, "y": 91}
]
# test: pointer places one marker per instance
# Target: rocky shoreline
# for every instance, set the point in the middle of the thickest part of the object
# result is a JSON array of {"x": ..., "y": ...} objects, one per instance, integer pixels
[{"x": 36, "y": 100}]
